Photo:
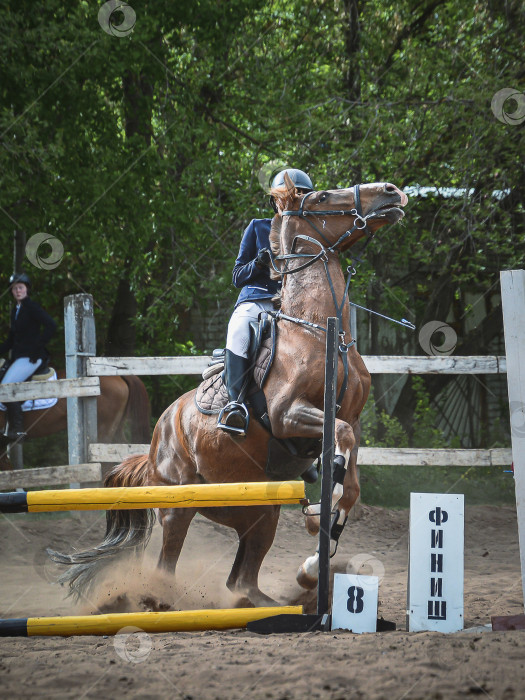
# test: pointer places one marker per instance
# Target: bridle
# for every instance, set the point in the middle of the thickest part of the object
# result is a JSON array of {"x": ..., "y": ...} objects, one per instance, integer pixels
[{"x": 360, "y": 224}]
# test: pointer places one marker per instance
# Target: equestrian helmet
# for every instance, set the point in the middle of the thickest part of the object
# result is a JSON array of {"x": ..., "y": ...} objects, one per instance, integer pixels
[
  {"x": 299, "y": 178},
  {"x": 20, "y": 277}
]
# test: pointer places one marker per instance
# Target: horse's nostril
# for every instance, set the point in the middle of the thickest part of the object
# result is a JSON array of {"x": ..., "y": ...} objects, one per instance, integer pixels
[{"x": 391, "y": 189}]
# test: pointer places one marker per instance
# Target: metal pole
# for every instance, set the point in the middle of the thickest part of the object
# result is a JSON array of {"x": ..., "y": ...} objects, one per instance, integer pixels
[
  {"x": 80, "y": 343},
  {"x": 330, "y": 392},
  {"x": 513, "y": 303}
]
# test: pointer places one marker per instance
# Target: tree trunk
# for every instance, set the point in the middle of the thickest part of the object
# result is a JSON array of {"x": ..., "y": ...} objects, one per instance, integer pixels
[
  {"x": 19, "y": 250},
  {"x": 138, "y": 102},
  {"x": 352, "y": 77},
  {"x": 121, "y": 334}
]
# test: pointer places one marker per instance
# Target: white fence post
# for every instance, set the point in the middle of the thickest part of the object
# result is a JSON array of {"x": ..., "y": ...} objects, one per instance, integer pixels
[
  {"x": 80, "y": 344},
  {"x": 513, "y": 302}
]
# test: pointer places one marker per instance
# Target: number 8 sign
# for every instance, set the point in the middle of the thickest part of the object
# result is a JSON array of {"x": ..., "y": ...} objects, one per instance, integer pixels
[{"x": 354, "y": 604}]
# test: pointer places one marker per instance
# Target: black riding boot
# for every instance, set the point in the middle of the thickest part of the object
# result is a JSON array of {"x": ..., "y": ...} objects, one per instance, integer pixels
[
  {"x": 234, "y": 418},
  {"x": 15, "y": 421}
]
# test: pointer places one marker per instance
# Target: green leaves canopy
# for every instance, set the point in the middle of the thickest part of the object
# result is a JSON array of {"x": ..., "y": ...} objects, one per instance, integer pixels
[{"x": 142, "y": 153}]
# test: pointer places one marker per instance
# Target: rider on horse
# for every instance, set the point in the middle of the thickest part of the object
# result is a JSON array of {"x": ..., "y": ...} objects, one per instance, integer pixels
[
  {"x": 252, "y": 274},
  {"x": 31, "y": 329}
]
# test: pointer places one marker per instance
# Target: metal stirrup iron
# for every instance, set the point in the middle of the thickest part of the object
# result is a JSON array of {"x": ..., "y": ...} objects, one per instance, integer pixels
[{"x": 233, "y": 407}]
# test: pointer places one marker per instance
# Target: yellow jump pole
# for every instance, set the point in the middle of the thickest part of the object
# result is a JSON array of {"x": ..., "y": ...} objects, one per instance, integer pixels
[
  {"x": 177, "y": 621},
  {"x": 132, "y": 497}
]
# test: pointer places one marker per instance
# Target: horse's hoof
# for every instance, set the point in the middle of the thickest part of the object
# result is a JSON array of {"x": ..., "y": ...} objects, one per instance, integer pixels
[
  {"x": 306, "y": 580},
  {"x": 152, "y": 604},
  {"x": 243, "y": 602},
  {"x": 311, "y": 523}
]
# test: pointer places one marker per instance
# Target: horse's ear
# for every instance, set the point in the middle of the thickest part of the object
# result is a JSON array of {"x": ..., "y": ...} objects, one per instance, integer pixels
[
  {"x": 285, "y": 194},
  {"x": 290, "y": 187}
]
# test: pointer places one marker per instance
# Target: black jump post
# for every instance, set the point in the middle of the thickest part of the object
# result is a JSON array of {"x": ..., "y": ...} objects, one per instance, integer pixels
[{"x": 321, "y": 619}]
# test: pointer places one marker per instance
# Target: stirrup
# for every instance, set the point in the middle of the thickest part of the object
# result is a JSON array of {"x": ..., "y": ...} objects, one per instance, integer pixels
[{"x": 223, "y": 417}]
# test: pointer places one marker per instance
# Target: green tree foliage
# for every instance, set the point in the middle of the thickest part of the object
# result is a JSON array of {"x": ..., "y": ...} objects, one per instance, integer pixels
[{"x": 142, "y": 153}]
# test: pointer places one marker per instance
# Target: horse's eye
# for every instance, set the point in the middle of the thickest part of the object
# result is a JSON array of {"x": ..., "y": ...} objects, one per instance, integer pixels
[{"x": 323, "y": 197}]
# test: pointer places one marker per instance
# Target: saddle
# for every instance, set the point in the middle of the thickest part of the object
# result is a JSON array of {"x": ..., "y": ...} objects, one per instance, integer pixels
[
  {"x": 286, "y": 458},
  {"x": 43, "y": 373},
  {"x": 211, "y": 395}
]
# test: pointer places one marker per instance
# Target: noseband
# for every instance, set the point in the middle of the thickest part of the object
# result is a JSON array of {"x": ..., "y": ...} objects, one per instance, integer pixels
[{"x": 360, "y": 224}]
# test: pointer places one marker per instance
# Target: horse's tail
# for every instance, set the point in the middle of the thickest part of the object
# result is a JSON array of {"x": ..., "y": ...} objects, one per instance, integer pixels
[
  {"x": 126, "y": 531},
  {"x": 138, "y": 409}
]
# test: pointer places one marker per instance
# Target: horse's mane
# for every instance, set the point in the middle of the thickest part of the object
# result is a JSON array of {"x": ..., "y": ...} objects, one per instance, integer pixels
[
  {"x": 275, "y": 240},
  {"x": 275, "y": 245},
  {"x": 283, "y": 195}
]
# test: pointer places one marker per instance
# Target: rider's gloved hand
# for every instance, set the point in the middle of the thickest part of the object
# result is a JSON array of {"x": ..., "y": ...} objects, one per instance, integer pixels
[{"x": 263, "y": 258}]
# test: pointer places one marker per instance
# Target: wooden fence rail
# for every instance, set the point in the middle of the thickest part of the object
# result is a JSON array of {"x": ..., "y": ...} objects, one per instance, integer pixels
[
  {"x": 369, "y": 456},
  {"x": 86, "y": 454},
  {"x": 376, "y": 364},
  {"x": 50, "y": 476},
  {"x": 59, "y": 389}
]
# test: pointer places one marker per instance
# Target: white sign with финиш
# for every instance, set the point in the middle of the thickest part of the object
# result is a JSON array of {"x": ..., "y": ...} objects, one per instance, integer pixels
[{"x": 435, "y": 569}]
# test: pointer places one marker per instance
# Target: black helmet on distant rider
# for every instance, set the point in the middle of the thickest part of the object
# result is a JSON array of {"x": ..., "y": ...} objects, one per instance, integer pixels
[{"x": 20, "y": 277}]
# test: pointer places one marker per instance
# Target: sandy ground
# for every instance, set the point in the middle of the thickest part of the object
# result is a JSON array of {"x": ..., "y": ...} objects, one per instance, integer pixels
[{"x": 239, "y": 664}]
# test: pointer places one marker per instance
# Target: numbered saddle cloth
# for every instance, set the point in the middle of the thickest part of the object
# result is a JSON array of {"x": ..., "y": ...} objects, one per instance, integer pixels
[{"x": 212, "y": 397}]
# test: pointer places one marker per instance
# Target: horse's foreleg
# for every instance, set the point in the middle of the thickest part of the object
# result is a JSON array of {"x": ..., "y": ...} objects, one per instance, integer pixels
[
  {"x": 344, "y": 494},
  {"x": 345, "y": 483},
  {"x": 305, "y": 420}
]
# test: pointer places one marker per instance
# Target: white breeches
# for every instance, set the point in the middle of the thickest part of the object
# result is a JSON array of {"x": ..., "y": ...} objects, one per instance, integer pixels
[
  {"x": 20, "y": 370},
  {"x": 238, "y": 339}
]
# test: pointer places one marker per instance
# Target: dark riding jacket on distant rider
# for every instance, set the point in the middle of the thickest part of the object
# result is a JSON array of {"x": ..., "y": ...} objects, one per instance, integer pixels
[
  {"x": 30, "y": 330},
  {"x": 252, "y": 274}
]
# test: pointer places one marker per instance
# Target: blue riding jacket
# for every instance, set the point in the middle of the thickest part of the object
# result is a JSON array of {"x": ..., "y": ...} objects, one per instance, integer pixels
[{"x": 254, "y": 282}]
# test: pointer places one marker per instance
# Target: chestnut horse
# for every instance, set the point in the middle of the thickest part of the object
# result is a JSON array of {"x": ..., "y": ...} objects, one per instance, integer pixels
[
  {"x": 122, "y": 400},
  {"x": 308, "y": 233}
]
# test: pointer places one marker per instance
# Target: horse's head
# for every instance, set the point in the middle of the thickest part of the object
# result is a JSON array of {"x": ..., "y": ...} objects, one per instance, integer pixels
[{"x": 355, "y": 211}]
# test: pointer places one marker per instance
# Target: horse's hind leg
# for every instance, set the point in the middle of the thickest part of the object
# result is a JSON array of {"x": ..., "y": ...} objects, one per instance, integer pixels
[
  {"x": 175, "y": 524},
  {"x": 254, "y": 543},
  {"x": 255, "y": 526}
]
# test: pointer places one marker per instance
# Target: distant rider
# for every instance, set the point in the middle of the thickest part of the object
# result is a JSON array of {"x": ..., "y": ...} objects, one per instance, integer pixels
[{"x": 31, "y": 328}]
